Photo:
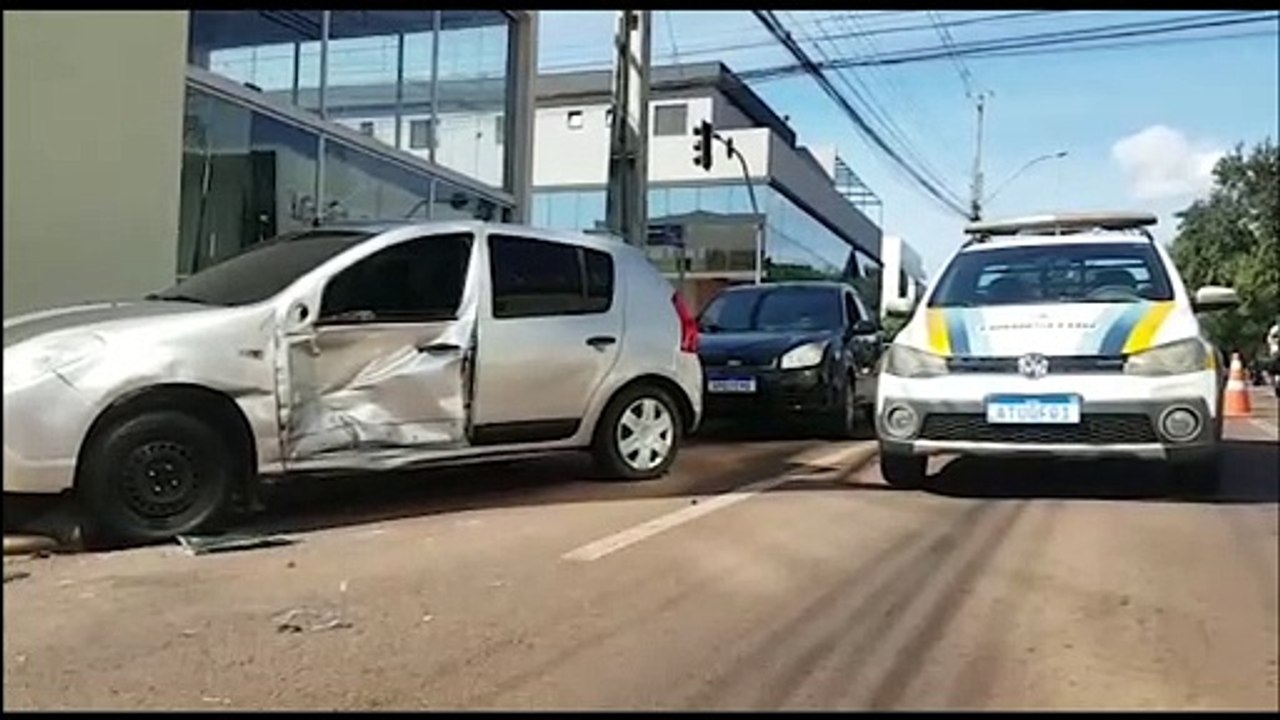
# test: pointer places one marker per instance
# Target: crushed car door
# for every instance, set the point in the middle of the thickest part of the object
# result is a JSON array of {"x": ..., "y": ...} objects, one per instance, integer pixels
[{"x": 385, "y": 366}]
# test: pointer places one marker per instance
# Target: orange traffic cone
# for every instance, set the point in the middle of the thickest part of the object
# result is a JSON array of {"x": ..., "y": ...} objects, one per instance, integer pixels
[{"x": 1235, "y": 401}]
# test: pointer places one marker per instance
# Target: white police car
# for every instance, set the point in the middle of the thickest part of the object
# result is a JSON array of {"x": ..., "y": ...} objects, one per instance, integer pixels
[{"x": 1060, "y": 336}]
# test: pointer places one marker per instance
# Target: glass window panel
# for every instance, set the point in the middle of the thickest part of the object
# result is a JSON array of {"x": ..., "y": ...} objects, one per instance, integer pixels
[
  {"x": 274, "y": 51},
  {"x": 670, "y": 119},
  {"x": 714, "y": 199},
  {"x": 561, "y": 207},
  {"x": 359, "y": 186},
  {"x": 245, "y": 177},
  {"x": 591, "y": 210},
  {"x": 682, "y": 200},
  {"x": 540, "y": 214},
  {"x": 364, "y": 65},
  {"x": 472, "y": 93},
  {"x": 659, "y": 202},
  {"x": 456, "y": 203}
]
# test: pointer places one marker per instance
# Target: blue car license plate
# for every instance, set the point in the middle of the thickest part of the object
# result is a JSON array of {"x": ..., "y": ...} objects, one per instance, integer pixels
[
  {"x": 1033, "y": 410},
  {"x": 732, "y": 385}
]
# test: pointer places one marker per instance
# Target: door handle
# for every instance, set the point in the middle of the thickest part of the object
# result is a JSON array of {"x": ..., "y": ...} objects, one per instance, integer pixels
[
  {"x": 600, "y": 341},
  {"x": 439, "y": 348}
]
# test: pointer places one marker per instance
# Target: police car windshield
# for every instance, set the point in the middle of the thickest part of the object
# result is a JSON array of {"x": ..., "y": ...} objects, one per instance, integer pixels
[{"x": 1054, "y": 273}]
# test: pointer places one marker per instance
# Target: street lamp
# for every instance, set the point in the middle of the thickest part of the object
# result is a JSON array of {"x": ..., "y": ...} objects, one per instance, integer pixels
[{"x": 1036, "y": 161}]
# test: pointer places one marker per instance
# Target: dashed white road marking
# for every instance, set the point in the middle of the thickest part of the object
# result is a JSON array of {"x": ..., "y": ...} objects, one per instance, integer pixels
[{"x": 626, "y": 538}]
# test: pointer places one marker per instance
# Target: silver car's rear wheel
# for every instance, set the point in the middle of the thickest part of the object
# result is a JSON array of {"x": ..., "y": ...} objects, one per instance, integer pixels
[
  {"x": 645, "y": 434},
  {"x": 638, "y": 434}
]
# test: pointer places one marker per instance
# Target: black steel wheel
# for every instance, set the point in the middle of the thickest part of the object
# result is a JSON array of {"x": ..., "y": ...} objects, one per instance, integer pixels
[{"x": 155, "y": 475}]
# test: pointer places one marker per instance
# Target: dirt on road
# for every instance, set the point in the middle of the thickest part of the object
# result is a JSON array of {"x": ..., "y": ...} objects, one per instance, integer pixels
[{"x": 1029, "y": 586}]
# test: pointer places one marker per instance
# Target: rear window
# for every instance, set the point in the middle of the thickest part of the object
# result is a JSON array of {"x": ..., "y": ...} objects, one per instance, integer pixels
[{"x": 1074, "y": 273}]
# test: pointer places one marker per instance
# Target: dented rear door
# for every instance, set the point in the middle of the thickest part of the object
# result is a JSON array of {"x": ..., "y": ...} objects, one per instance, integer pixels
[{"x": 386, "y": 365}]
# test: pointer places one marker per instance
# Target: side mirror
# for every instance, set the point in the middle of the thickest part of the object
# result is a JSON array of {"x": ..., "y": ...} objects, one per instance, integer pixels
[
  {"x": 1213, "y": 297},
  {"x": 899, "y": 307},
  {"x": 862, "y": 327}
]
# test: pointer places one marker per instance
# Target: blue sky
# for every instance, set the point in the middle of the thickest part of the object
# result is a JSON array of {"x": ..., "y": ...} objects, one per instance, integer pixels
[{"x": 1141, "y": 125}]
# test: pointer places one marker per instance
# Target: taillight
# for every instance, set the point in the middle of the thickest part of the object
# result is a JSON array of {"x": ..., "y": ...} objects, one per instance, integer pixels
[{"x": 688, "y": 325}]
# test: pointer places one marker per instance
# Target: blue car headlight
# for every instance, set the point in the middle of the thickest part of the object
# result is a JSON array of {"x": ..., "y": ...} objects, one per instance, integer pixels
[{"x": 806, "y": 356}]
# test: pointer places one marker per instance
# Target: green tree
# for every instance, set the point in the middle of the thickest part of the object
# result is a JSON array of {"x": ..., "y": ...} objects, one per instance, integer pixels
[{"x": 1230, "y": 238}]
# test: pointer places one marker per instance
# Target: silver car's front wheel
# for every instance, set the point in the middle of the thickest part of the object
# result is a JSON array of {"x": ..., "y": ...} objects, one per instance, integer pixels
[{"x": 638, "y": 435}]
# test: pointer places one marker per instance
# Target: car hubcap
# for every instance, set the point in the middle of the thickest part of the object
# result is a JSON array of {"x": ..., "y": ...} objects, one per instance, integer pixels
[
  {"x": 160, "y": 480},
  {"x": 645, "y": 433}
]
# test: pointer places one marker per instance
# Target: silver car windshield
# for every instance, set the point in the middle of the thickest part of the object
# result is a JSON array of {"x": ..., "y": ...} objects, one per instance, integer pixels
[{"x": 263, "y": 270}]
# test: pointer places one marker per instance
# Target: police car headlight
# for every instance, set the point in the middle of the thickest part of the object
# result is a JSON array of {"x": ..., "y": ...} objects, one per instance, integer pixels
[
  {"x": 1176, "y": 358},
  {"x": 33, "y": 360},
  {"x": 805, "y": 356},
  {"x": 903, "y": 361}
]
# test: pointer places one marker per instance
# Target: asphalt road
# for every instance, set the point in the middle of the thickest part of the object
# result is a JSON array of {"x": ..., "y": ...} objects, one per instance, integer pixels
[{"x": 770, "y": 574}]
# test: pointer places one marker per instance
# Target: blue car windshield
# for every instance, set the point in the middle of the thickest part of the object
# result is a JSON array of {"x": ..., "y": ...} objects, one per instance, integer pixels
[
  {"x": 773, "y": 309},
  {"x": 1053, "y": 273}
]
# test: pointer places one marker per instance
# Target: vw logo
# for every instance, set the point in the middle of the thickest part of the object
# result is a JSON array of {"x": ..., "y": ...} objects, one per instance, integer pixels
[{"x": 1034, "y": 366}]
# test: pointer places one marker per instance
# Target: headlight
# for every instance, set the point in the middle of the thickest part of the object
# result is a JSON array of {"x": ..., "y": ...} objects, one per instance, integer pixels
[
  {"x": 903, "y": 361},
  {"x": 32, "y": 360},
  {"x": 805, "y": 356},
  {"x": 1177, "y": 358}
]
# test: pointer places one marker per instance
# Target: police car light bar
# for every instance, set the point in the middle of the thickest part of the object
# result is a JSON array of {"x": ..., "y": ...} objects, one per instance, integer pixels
[{"x": 1063, "y": 224}]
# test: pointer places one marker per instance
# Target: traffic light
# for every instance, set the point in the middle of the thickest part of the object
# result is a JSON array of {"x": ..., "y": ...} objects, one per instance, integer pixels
[{"x": 702, "y": 146}]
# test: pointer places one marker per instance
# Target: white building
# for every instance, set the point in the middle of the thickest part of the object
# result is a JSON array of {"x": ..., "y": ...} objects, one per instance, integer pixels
[
  {"x": 904, "y": 274},
  {"x": 812, "y": 227}
]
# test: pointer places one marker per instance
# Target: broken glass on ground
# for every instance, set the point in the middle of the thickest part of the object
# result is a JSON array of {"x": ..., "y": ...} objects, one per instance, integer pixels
[
  {"x": 203, "y": 545},
  {"x": 307, "y": 620}
]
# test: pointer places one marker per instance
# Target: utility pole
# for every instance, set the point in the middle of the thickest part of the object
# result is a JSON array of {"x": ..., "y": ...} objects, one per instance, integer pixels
[
  {"x": 626, "y": 203},
  {"x": 975, "y": 203}
]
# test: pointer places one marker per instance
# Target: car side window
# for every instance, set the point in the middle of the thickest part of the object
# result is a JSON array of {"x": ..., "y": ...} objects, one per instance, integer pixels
[
  {"x": 539, "y": 278},
  {"x": 415, "y": 281}
]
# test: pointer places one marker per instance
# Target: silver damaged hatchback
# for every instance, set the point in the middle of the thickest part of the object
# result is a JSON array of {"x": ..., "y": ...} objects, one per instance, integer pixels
[{"x": 349, "y": 348}]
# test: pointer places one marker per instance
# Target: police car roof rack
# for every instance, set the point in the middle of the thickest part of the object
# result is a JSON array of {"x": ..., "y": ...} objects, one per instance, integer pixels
[{"x": 1062, "y": 224}]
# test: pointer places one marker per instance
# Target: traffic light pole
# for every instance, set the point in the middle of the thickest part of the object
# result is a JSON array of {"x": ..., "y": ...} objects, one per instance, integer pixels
[{"x": 755, "y": 208}]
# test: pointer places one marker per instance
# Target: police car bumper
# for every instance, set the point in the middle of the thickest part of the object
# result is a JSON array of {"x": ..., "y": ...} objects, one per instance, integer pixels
[{"x": 1170, "y": 418}]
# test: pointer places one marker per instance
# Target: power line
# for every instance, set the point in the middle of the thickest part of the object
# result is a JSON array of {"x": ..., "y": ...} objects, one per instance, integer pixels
[
  {"x": 718, "y": 49},
  {"x": 881, "y": 115},
  {"x": 942, "y": 195},
  {"x": 908, "y": 107},
  {"x": 1035, "y": 40},
  {"x": 947, "y": 42}
]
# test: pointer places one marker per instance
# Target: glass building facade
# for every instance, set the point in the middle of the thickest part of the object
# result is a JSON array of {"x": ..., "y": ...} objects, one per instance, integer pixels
[
  {"x": 797, "y": 246},
  {"x": 295, "y": 117}
]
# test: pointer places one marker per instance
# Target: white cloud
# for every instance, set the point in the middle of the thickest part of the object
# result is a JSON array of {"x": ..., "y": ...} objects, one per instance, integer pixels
[{"x": 1161, "y": 162}]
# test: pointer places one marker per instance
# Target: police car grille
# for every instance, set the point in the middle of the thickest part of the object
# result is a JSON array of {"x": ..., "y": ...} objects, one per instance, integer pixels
[
  {"x": 1093, "y": 429},
  {"x": 1074, "y": 365}
]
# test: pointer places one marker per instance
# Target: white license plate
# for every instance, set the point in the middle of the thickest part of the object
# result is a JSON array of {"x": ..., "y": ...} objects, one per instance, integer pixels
[
  {"x": 1034, "y": 410},
  {"x": 732, "y": 385}
]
